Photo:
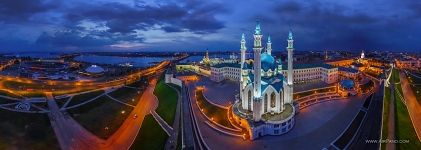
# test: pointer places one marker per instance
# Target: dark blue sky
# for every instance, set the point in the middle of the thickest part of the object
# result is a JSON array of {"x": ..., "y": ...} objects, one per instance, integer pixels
[{"x": 174, "y": 25}]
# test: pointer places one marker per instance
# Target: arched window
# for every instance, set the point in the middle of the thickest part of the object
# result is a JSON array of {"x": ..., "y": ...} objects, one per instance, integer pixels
[
  {"x": 249, "y": 100},
  {"x": 272, "y": 100},
  {"x": 281, "y": 99},
  {"x": 265, "y": 103}
]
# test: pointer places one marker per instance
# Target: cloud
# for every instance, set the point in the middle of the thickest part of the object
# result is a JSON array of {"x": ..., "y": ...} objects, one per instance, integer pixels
[
  {"x": 172, "y": 17},
  {"x": 22, "y": 10}
]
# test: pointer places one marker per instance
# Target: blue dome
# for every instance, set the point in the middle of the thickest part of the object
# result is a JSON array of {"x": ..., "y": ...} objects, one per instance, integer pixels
[
  {"x": 268, "y": 62},
  {"x": 347, "y": 84}
]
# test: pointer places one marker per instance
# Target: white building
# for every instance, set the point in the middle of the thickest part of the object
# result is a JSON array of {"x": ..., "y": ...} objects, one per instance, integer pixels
[
  {"x": 230, "y": 71},
  {"x": 302, "y": 72},
  {"x": 265, "y": 106},
  {"x": 409, "y": 63}
]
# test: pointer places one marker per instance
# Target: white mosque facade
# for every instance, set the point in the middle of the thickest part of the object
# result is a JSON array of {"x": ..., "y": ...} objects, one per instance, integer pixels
[{"x": 265, "y": 106}]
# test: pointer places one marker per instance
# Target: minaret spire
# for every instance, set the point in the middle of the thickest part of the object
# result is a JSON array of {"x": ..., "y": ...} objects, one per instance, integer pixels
[
  {"x": 257, "y": 31},
  {"x": 269, "y": 46}
]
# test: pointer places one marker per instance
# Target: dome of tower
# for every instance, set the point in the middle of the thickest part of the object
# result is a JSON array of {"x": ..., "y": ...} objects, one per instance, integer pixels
[{"x": 268, "y": 62}]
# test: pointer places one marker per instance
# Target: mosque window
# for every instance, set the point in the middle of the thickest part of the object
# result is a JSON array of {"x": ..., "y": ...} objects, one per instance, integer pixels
[
  {"x": 272, "y": 100},
  {"x": 265, "y": 102},
  {"x": 249, "y": 99}
]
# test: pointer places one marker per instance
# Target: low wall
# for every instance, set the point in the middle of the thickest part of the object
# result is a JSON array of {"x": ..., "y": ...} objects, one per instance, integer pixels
[{"x": 169, "y": 78}]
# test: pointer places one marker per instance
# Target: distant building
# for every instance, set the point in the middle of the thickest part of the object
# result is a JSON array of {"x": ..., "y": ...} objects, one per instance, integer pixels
[
  {"x": 93, "y": 71},
  {"x": 230, "y": 71},
  {"x": 348, "y": 73},
  {"x": 410, "y": 63}
]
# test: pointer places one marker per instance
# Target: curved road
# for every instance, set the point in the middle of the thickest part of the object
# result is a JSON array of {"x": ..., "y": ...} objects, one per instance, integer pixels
[{"x": 72, "y": 136}]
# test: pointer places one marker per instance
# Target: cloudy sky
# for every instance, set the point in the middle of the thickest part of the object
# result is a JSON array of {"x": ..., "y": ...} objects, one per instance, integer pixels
[{"x": 178, "y": 25}]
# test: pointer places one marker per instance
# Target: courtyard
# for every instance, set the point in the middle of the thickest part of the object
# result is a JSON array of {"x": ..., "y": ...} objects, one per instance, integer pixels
[{"x": 329, "y": 118}]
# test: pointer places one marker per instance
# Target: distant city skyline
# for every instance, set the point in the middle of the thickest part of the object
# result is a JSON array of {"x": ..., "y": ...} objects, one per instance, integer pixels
[{"x": 216, "y": 25}]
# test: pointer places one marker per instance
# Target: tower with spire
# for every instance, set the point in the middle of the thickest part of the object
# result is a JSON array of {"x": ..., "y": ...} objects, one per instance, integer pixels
[
  {"x": 257, "y": 49},
  {"x": 290, "y": 76},
  {"x": 269, "y": 46},
  {"x": 243, "y": 64}
]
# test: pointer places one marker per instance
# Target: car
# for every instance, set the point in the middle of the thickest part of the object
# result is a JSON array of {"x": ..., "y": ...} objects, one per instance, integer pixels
[{"x": 134, "y": 116}]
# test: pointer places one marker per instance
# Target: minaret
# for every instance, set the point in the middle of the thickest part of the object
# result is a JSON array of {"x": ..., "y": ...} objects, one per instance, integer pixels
[
  {"x": 243, "y": 50},
  {"x": 257, "y": 101},
  {"x": 290, "y": 74},
  {"x": 290, "y": 50},
  {"x": 257, "y": 49},
  {"x": 269, "y": 46},
  {"x": 243, "y": 75}
]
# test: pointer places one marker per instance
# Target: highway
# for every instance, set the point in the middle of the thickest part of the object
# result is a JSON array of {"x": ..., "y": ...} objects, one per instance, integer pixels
[
  {"x": 38, "y": 86},
  {"x": 192, "y": 134}
]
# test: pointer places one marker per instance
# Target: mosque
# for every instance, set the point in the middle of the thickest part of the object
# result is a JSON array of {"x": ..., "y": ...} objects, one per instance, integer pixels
[{"x": 265, "y": 106}]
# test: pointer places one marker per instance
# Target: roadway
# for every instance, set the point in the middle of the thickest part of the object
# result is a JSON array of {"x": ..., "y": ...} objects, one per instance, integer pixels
[
  {"x": 192, "y": 135},
  {"x": 72, "y": 136},
  {"x": 414, "y": 108},
  {"x": 370, "y": 129},
  {"x": 74, "y": 86}
]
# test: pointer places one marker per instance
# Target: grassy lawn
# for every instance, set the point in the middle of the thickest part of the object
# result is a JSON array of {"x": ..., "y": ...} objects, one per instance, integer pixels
[
  {"x": 151, "y": 136},
  {"x": 26, "y": 131},
  {"x": 127, "y": 95},
  {"x": 386, "y": 109},
  {"x": 218, "y": 114},
  {"x": 395, "y": 76},
  {"x": 142, "y": 83},
  {"x": 167, "y": 97},
  {"x": 60, "y": 102},
  {"x": 6, "y": 101},
  {"x": 77, "y": 99},
  {"x": 102, "y": 116},
  {"x": 404, "y": 129}
]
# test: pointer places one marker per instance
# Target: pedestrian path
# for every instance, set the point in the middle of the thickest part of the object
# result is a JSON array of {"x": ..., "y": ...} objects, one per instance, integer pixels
[
  {"x": 414, "y": 108},
  {"x": 119, "y": 101},
  {"x": 167, "y": 128}
]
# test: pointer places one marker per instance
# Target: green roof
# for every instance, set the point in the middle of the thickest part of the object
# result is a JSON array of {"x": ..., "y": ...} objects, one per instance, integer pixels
[{"x": 234, "y": 65}]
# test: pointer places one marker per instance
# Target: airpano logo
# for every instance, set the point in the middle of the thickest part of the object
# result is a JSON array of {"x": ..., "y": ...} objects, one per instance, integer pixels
[{"x": 387, "y": 141}]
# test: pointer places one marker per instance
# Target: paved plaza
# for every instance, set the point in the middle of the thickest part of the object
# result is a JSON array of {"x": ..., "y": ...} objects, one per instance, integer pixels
[
  {"x": 328, "y": 119},
  {"x": 222, "y": 93}
]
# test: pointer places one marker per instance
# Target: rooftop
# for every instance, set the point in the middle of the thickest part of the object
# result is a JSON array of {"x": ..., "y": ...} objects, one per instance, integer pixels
[
  {"x": 352, "y": 70},
  {"x": 221, "y": 65},
  {"x": 304, "y": 66}
]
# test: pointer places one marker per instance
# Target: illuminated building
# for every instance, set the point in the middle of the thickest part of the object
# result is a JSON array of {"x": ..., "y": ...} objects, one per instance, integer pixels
[{"x": 265, "y": 106}]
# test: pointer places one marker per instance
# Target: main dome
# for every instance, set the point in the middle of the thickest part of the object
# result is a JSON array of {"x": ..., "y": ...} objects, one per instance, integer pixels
[{"x": 268, "y": 62}]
